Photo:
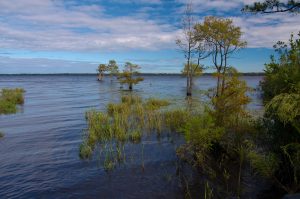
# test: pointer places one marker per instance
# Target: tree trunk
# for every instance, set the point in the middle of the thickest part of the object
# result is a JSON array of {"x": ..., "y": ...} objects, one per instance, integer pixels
[
  {"x": 190, "y": 86},
  {"x": 218, "y": 82},
  {"x": 100, "y": 77}
]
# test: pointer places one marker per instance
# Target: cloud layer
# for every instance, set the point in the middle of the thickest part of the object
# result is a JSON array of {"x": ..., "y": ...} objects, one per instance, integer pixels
[{"x": 71, "y": 26}]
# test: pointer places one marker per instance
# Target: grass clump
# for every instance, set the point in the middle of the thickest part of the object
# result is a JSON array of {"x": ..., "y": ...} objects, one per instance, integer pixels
[
  {"x": 121, "y": 123},
  {"x": 154, "y": 104},
  {"x": 85, "y": 150},
  {"x": 135, "y": 137},
  {"x": 9, "y": 99},
  {"x": 131, "y": 99},
  {"x": 176, "y": 119}
]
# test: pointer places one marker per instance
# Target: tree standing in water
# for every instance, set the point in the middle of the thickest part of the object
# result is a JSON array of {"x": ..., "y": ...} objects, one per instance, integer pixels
[
  {"x": 129, "y": 75},
  {"x": 193, "y": 49},
  {"x": 112, "y": 68},
  {"x": 102, "y": 68}
]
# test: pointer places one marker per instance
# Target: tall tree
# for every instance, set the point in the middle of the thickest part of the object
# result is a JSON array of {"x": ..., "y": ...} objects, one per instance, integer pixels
[
  {"x": 102, "y": 68},
  {"x": 187, "y": 43},
  {"x": 130, "y": 75},
  {"x": 224, "y": 39},
  {"x": 273, "y": 6}
]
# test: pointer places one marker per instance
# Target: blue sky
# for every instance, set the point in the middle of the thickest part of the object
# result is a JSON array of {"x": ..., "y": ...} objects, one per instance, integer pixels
[{"x": 74, "y": 36}]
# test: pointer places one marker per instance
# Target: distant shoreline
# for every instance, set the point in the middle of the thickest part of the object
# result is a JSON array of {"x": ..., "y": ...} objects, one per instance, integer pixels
[{"x": 143, "y": 74}]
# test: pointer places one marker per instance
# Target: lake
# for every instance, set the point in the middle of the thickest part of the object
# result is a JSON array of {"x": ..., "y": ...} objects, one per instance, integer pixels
[{"x": 39, "y": 153}]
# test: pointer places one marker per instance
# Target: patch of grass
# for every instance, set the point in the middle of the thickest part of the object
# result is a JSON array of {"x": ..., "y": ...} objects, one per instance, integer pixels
[
  {"x": 124, "y": 122},
  {"x": 135, "y": 137},
  {"x": 131, "y": 99},
  {"x": 154, "y": 104},
  {"x": 176, "y": 119},
  {"x": 85, "y": 150},
  {"x": 9, "y": 99},
  {"x": 7, "y": 107}
]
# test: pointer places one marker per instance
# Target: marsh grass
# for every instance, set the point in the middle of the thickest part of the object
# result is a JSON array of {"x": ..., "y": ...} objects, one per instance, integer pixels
[
  {"x": 9, "y": 99},
  {"x": 127, "y": 122}
]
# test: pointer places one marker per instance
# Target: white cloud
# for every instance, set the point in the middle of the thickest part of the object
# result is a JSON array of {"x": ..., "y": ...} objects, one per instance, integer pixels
[
  {"x": 43, "y": 25},
  {"x": 49, "y": 25}
]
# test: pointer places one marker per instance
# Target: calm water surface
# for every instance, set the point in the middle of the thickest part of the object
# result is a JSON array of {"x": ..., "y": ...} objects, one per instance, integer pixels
[{"x": 39, "y": 153}]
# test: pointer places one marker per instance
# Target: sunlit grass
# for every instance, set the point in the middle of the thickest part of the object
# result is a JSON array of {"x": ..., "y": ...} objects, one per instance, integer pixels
[
  {"x": 9, "y": 99},
  {"x": 126, "y": 122}
]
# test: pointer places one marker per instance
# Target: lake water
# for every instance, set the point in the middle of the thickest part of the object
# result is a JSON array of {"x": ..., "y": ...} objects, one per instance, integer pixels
[{"x": 39, "y": 153}]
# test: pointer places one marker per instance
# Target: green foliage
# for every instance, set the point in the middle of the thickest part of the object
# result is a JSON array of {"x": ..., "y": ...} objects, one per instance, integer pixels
[
  {"x": 273, "y": 6},
  {"x": 176, "y": 119},
  {"x": 122, "y": 122},
  {"x": 285, "y": 107},
  {"x": 85, "y": 150},
  {"x": 264, "y": 164},
  {"x": 154, "y": 104},
  {"x": 131, "y": 99},
  {"x": 195, "y": 69},
  {"x": 283, "y": 75},
  {"x": 224, "y": 38},
  {"x": 135, "y": 136},
  {"x": 129, "y": 75},
  {"x": 232, "y": 102},
  {"x": 281, "y": 122},
  {"x": 9, "y": 99},
  {"x": 112, "y": 67}
]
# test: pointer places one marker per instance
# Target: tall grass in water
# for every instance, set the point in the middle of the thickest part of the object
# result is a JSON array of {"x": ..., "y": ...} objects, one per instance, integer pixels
[
  {"x": 9, "y": 99},
  {"x": 126, "y": 122}
]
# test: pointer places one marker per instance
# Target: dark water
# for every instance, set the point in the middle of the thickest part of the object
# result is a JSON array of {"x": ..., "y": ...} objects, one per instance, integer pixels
[{"x": 39, "y": 153}]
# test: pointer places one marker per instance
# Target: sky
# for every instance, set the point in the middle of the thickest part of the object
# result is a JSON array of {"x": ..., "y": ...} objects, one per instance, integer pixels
[{"x": 75, "y": 36}]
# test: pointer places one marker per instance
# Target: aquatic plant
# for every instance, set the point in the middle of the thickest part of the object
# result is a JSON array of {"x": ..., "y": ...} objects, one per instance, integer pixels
[
  {"x": 122, "y": 122},
  {"x": 85, "y": 150},
  {"x": 154, "y": 104},
  {"x": 9, "y": 99},
  {"x": 1, "y": 135}
]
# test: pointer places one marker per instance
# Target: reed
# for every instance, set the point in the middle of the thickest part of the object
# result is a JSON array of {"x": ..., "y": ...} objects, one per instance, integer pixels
[{"x": 127, "y": 122}]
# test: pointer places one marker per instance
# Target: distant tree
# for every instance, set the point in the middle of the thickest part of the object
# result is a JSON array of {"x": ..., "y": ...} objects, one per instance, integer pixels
[
  {"x": 102, "y": 68},
  {"x": 224, "y": 39},
  {"x": 130, "y": 74},
  {"x": 112, "y": 68},
  {"x": 273, "y": 6}
]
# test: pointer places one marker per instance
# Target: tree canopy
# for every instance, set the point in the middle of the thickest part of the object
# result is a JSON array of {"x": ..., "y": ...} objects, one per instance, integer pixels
[
  {"x": 127, "y": 77},
  {"x": 273, "y": 6}
]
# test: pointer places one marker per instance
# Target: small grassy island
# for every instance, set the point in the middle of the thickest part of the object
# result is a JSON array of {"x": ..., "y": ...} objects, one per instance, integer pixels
[{"x": 9, "y": 100}]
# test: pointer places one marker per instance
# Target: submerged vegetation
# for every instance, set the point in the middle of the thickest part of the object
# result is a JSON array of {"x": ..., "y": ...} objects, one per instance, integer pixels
[
  {"x": 124, "y": 122},
  {"x": 9, "y": 99}
]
